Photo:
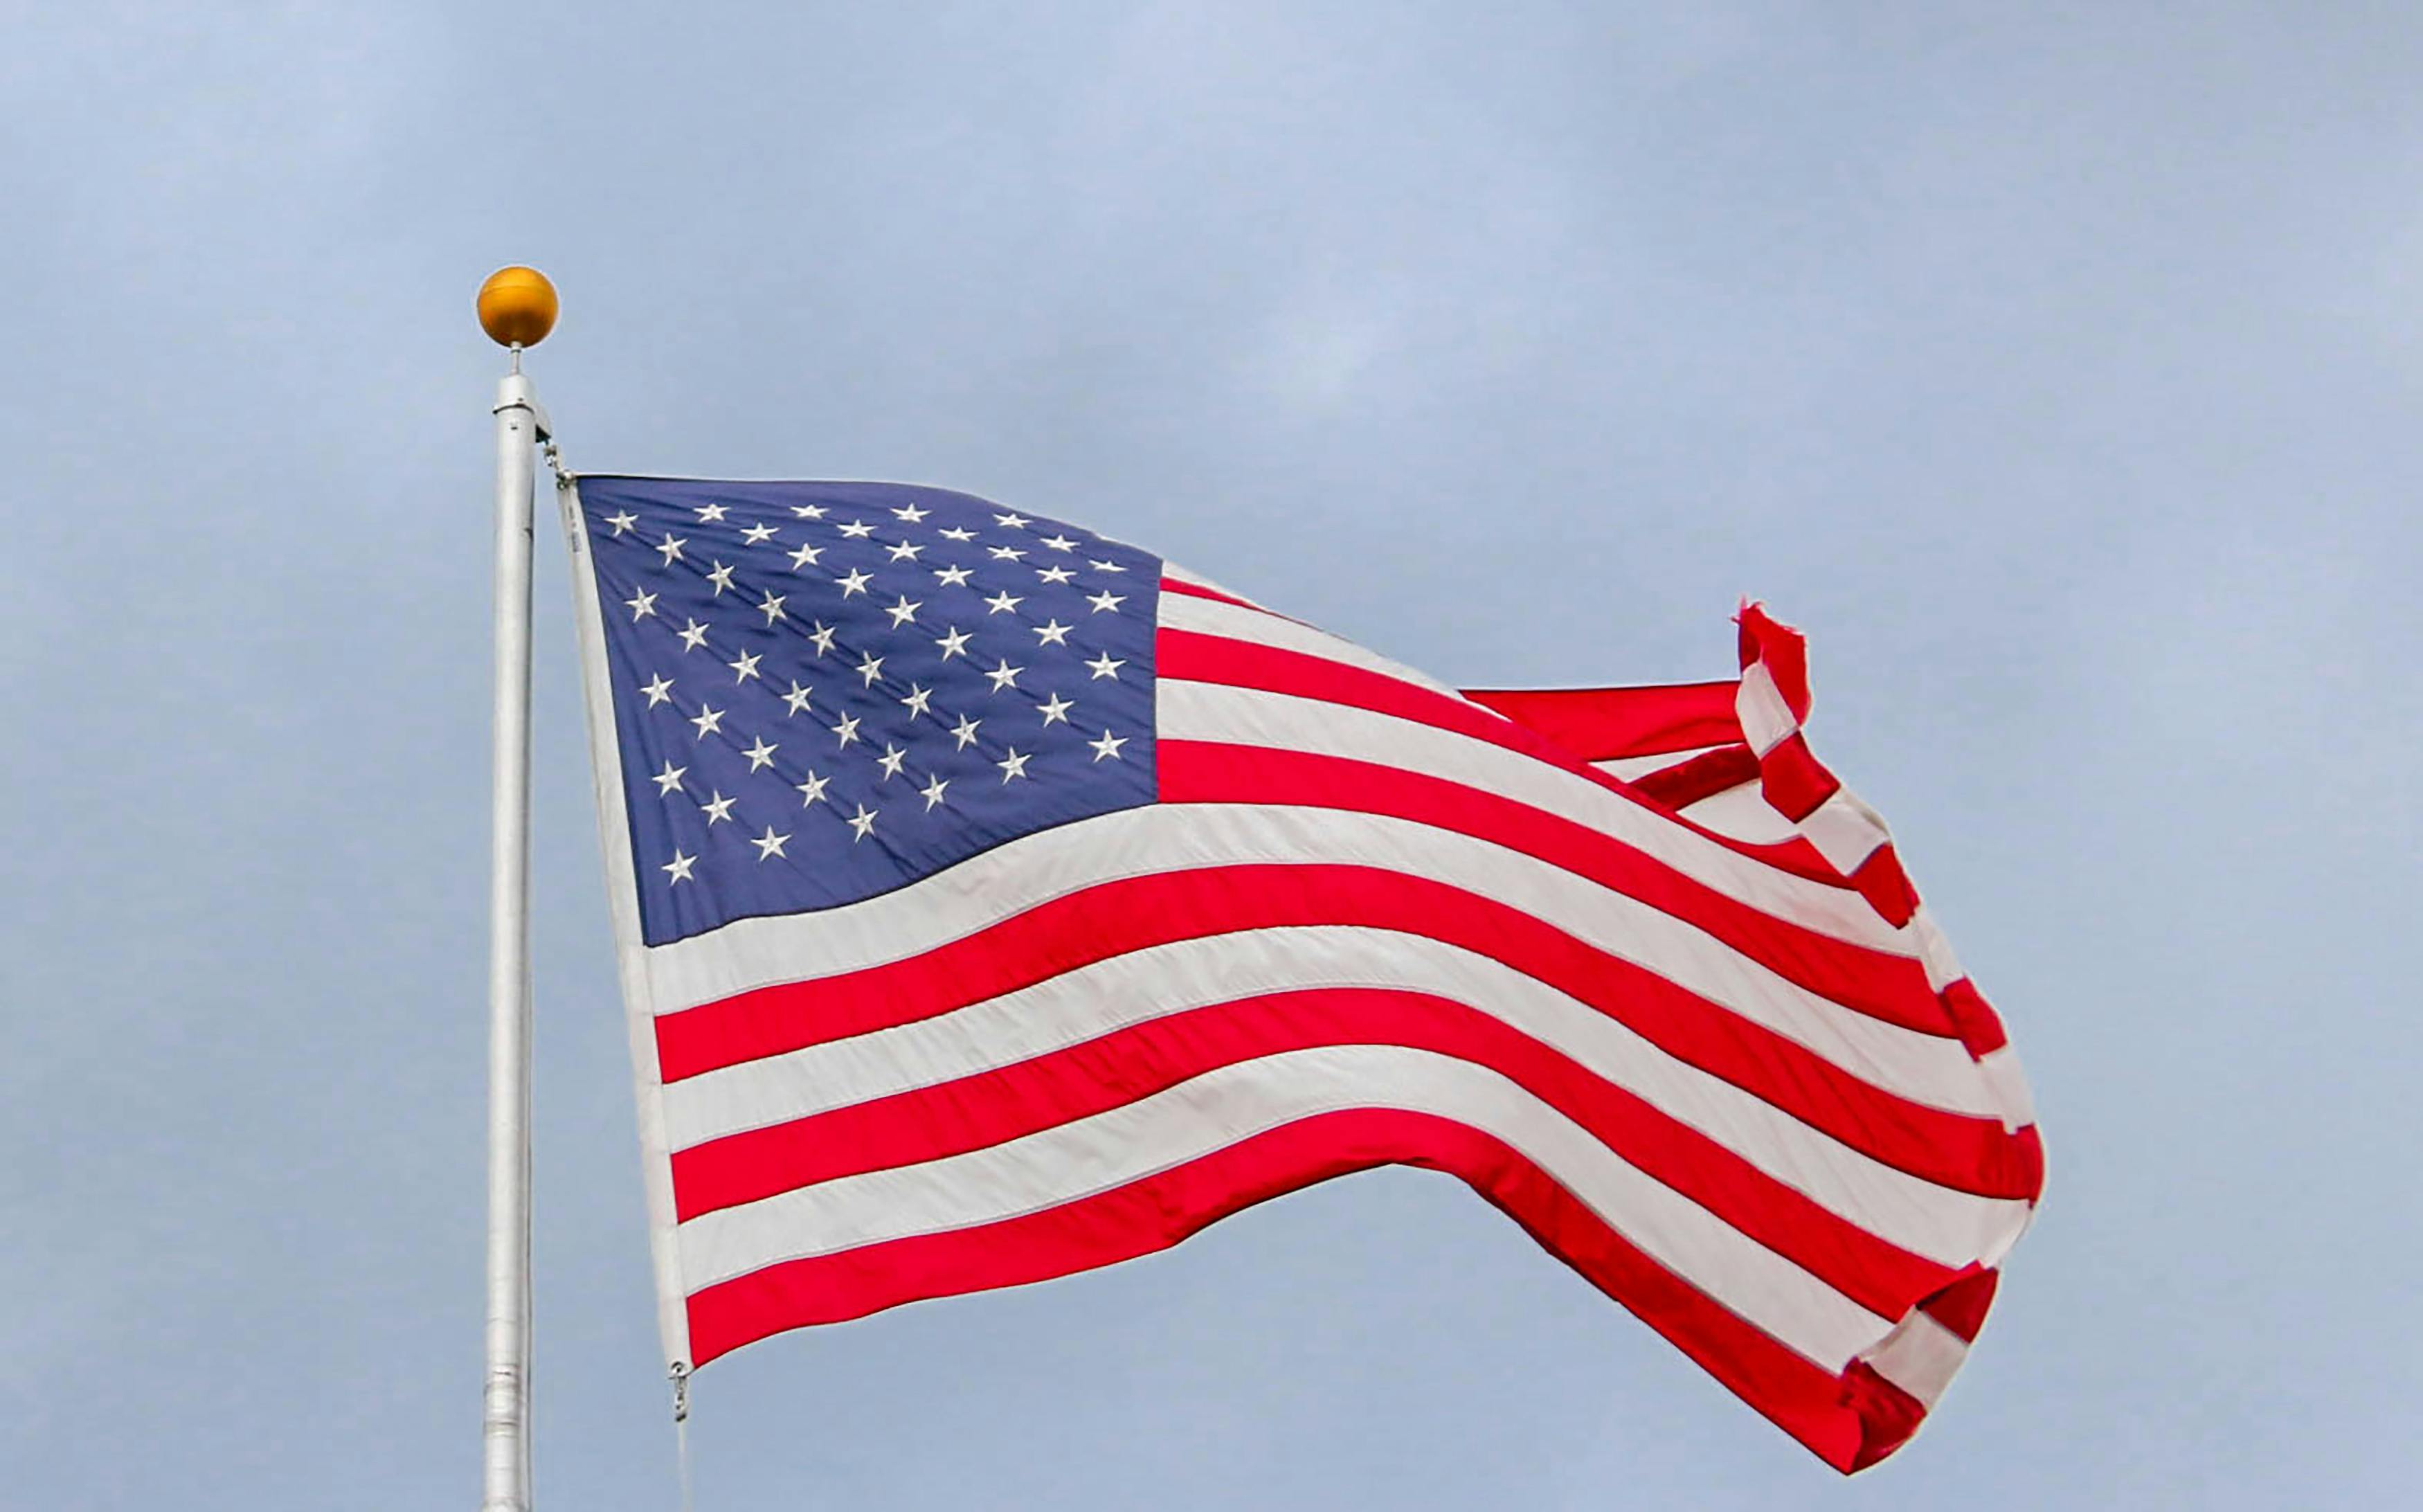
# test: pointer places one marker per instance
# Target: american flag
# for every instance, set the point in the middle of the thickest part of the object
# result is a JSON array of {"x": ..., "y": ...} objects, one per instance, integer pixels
[{"x": 997, "y": 901}]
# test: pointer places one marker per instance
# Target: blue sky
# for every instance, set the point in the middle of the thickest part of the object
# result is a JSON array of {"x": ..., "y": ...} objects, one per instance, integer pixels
[{"x": 2059, "y": 372}]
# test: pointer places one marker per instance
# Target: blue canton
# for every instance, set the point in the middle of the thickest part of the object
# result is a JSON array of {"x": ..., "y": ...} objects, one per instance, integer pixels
[{"x": 826, "y": 691}]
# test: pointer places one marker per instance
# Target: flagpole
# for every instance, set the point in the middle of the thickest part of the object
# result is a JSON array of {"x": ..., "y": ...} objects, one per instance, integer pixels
[{"x": 517, "y": 308}]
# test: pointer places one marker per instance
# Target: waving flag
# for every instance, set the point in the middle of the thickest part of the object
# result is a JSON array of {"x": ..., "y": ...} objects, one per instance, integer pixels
[{"x": 997, "y": 901}]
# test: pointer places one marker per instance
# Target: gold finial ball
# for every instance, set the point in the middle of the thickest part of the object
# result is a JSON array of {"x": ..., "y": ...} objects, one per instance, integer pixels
[{"x": 517, "y": 307}]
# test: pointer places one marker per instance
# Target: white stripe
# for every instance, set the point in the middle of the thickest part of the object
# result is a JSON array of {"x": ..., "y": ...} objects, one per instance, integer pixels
[
  {"x": 1215, "y": 1110},
  {"x": 1745, "y": 814},
  {"x": 1920, "y": 1356},
  {"x": 1933, "y": 1070},
  {"x": 1171, "y": 569},
  {"x": 1845, "y": 831},
  {"x": 1934, "y": 950},
  {"x": 1766, "y": 720},
  {"x": 1249, "y": 716},
  {"x": 1632, "y": 768},
  {"x": 1946, "y": 1226},
  {"x": 2009, "y": 1087},
  {"x": 2000, "y": 1248},
  {"x": 1209, "y": 616}
]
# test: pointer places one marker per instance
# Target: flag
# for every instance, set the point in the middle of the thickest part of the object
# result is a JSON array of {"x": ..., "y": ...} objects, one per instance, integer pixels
[{"x": 996, "y": 900}]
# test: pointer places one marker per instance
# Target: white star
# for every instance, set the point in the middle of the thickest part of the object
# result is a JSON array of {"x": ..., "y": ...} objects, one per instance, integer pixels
[
  {"x": 870, "y": 666},
  {"x": 909, "y": 513},
  {"x": 1054, "y": 574},
  {"x": 1102, "y": 666},
  {"x": 846, "y": 729},
  {"x": 809, "y": 511},
  {"x": 659, "y": 690},
  {"x": 1053, "y": 633},
  {"x": 806, "y": 556},
  {"x": 965, "y": 731},
  {"x": 797, "y": 698},
  {"x": 770, "y": 844},
  {"x": 916, "y": 700},
  {"x": 716, "y": 811},
  {"x": 669, "y": 779},
  {"x": 903, "y": 552},
  {"x": 1002, "y": 603},
  {"x": 1055, "y": 710},
  {"x": 954, "y": 644},
  {"x": 1014, "y": 766},
  {"x": 890, "y": 760},
  {"x": 952, "y": 577},
  {"x": 932, "y": 793},
  {"x": 679, "y": 870},
  {"x": 761, "y": 755},
  {"x": 694, "y": 635},
  {"x": 746, "y": 667},
  {"x": 772, "y": 607},
  {"x": 623, "y": 522},
  {"x": 672, "y": 548},
  {"x": 903, "y": 611},
  {"x": 1059, "y": 543},
  {"x": 857, "y": 529},
  {"x": 1005, "y": 675},
  {"x": 1108, "y": 746},
  {"x": 1108, "y": 566},
  {"x": 862, "y": 821},
  {"x": 1005, "y": 553},
  {"x": 641, "y": 606},
  {"x": 854, "y": 583},
  {"x": 709, "y": 721},
  {"x": 1015, "y": 522},
  {"x": 821, "y": 638},
  {"x": 721, "y": 578},
  {"x": 957, "y": 533},
  {"x": 709, "y": 512},
  {"x": 1105, "y": 599},
  {"x": 758, "y": 534},
  {"x": 815, "y": 787}
]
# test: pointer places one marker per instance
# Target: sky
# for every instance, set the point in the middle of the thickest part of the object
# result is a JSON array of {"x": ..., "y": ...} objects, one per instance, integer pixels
[{"x": 2058, "y": 368}]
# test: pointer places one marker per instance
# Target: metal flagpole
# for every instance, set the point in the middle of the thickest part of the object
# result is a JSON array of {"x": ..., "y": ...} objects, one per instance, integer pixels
[{"x": 517, "y": 308}]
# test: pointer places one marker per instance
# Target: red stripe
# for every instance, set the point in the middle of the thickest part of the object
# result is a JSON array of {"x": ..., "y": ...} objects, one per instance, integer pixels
[
  {"x": 1605, "y": 723},
  {"x": 1971, "y": 1154},
  {"x": 1886, "y": 886},
  {"x": 1197, "y": 590},
  {"x": 1795, "y": 781},
  {"x": 1783, "y": 649},
  {"x": 1703, "y": 776},
  {"x": 1881, "y": 985},
  {"x": 1196, "y": 657},
  {"x": 1820, "y": 1409},
  {"x": 1190, "y": 656},
  {"x": 1137, "y": 1061},
  {"x": 1981, "y": 1027},
  {"x": 1887, "y": 1414},
  {"x": 1961, "y": 1306}
]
